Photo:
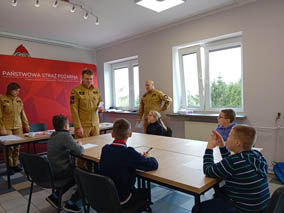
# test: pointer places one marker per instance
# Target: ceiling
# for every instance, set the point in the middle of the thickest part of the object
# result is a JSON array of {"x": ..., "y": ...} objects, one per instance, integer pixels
[{"x": 119, "y": 19}]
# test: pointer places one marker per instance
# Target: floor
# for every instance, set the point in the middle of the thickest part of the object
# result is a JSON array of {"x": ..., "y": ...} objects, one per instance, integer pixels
[{"x": 165, "y": 200}]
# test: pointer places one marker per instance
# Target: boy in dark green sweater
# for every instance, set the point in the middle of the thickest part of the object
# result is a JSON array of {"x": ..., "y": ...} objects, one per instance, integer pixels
[{"x": 245, "y": 173}]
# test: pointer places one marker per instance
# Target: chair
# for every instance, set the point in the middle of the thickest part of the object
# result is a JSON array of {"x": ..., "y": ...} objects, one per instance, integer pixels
[
  {"x": 276, "y": 204},
  {"x": 101, "y": 194},
  {"x": 37, "y": 127},
  {"x": 38, "y": 171}
]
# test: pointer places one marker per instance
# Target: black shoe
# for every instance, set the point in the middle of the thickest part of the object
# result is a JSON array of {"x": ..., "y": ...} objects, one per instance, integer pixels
[
  {"x": 11, "y": 171},
  {"x": 53, "y": 201},
  {"x": 17, "y": 169},
  {"x": 71, "y": 207}
]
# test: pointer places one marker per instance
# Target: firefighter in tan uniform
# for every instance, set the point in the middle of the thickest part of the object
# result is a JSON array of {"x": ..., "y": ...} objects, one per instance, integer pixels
[
  {"x": 84, "y": 102},
  {"x": 12, "y": 122},
  {"x": 152, "y": 100}
]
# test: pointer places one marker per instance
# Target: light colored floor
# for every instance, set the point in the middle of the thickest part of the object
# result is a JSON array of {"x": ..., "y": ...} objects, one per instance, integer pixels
[{"x": 165, "y": 200}]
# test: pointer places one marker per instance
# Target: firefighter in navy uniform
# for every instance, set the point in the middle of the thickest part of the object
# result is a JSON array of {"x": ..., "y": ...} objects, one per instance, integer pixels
[
  {"x": 12, "y": 122},
  {"x": 152, "y": 100}
]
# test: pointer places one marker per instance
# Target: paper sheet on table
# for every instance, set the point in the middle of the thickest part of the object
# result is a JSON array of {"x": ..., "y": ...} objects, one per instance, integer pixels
[
  {"x": 10, "y": 138},
  {"x": 89, "y": 145}
]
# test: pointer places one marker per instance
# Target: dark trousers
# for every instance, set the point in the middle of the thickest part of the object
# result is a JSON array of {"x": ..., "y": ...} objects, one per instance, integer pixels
[
  {"x": 219, "y": 204},
  {"x": 138, "y": 195},
  {"x": 68, "y": 174}
]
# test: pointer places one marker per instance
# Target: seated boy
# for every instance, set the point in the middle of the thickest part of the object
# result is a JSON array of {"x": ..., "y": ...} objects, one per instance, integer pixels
[
  {"x": 59, "y": 147},
  {"x": 226, "y": 122},
  {"x": 245, "y": 173},
  {"x": 120, "y": 162}
]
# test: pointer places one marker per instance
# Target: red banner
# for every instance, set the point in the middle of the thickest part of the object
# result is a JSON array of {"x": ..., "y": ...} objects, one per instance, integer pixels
[{"x": 45, "y": 84}]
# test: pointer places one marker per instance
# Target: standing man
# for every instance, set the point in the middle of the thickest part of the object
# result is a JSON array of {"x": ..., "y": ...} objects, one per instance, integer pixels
[
  {"x": 13, "y": 120},
  {"x": 84, "y": 103},
  {"x": 152, "y": 100}
]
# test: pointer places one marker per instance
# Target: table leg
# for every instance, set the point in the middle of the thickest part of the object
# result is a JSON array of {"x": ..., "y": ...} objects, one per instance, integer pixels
[
  {"x": 7, "y": 166},
  {"x": 197, "y": 202},
  {"x": 149, "y": 191}
]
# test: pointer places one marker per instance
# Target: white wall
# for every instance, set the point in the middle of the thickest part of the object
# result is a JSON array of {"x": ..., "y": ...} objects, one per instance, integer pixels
[
  {"x": 37, "y": 50},
  {"x": 263, "y": 30}
]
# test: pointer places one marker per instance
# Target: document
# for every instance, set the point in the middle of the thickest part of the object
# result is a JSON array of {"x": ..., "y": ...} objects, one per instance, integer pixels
[
  {"x": 89, "y": 145},
  {"x": 10, "y": 138}
]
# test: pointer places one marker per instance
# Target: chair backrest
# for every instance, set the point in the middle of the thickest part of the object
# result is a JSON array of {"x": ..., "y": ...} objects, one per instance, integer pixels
[
  {"x": 37, "y": 169},
  {"x": 276, "y": 204},
  {"x": 36, "y": 127},
  {"x": 99, "y": 191},
  {"x": 169, "y": 132}
]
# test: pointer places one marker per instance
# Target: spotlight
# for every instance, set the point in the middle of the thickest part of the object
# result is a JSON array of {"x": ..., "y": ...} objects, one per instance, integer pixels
[
  {"x": 55, "y": 4},
  {"x": 86, "y": 15},
  {"x": 14, "y": 3},
  {"x": 73, "y": 9},
  {"x": 36, "y": 3},
  {"x": 97, "y": 21}
]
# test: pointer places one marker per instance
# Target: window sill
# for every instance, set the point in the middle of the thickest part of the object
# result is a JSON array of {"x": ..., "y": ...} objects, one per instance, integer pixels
[
  {"x": 202, "y": 117},
  {"x": 122, "y": 112}
]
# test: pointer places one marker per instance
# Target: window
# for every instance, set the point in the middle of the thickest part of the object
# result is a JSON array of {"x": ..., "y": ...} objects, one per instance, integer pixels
[
  {"x": 210, "y": 76},
  {"x": 122, "y": 82}
]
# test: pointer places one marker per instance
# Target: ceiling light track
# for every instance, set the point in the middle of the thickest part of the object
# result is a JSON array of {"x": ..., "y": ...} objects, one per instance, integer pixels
[{"x": 73, "y": 7}]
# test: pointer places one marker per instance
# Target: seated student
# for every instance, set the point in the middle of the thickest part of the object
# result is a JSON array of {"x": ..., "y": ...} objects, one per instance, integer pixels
[
  {"x": 245, "y": 173},
  {"x": 156, "y": 126},
  {"x": 226, "y": 122},
  {"x": 59, "y": 147},
  {"x": 119, "y": 162}
]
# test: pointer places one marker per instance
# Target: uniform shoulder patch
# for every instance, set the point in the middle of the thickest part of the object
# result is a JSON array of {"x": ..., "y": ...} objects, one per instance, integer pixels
[
  {"x": 19, "y": 101},
  {"x": 81, "y": 92},
  {"x": 95, "y": 92},
  {"x": 153, "y": 94}
]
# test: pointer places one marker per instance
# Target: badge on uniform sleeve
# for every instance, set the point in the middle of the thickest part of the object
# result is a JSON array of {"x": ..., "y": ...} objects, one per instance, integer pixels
[
  {"x": 18, "y": 101},
  {"x": 72, "y": 99},
  {"x": 81, "y": 92},
  {"x": 153, "y": 95},
  {"x": 95, "y": 92},
  {"x": 166, "y": 97}
]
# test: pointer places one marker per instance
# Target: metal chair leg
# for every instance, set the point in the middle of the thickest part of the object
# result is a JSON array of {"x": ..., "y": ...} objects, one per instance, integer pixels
[{"x": 30, "y": 197}]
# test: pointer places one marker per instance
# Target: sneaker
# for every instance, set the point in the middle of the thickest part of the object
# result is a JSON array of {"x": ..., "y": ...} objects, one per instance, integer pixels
[
  {"x": 71, "y": 207},
  {"x": 17, "y": 169},
  {"x": 53, "y": 200}
]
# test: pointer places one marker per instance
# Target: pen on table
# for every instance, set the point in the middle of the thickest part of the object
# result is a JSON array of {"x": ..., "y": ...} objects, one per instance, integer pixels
[{"x": 149, "y": 150}]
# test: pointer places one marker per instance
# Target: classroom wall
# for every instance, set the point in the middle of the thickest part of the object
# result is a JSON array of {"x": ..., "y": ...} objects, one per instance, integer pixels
[
  {"x": 37, "y": 50},
  {"x": 261, "y": 23}
]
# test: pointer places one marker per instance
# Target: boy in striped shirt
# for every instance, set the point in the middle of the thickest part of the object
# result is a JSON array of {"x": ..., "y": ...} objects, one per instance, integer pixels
[{"x": 245, "y": 173}]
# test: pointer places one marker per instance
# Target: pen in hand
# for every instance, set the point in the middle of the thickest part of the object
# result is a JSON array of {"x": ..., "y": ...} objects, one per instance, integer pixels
[{"x": 149, "y": 150}]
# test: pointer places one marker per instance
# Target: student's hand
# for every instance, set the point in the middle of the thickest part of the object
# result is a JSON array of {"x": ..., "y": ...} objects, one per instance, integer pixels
[
  {"x": 147, "y": 155},
  {"x": 219, "y": 138},
  {"x": 80, "y": 143},
  {"x": 213, "y": 142},
  {"x": 79, "y": 132},
  {"x": 3, "y": 132},
  {"x": 138, "y": 120}
]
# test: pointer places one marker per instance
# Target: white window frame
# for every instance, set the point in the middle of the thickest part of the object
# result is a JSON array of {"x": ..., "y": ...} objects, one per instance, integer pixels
[
  {"x": 181, "y": 53},
  {"x": 203, "y": 67},
  {"x": 125, "y": 64}
]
